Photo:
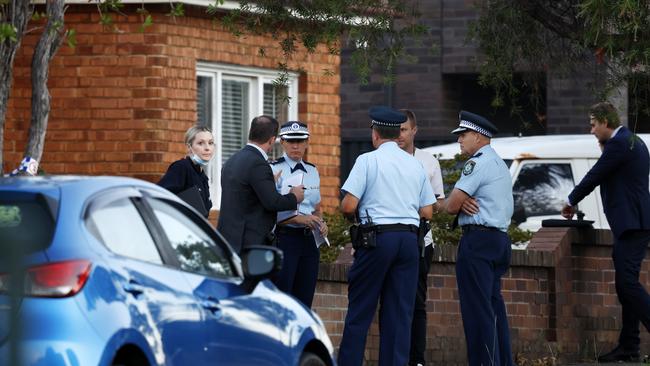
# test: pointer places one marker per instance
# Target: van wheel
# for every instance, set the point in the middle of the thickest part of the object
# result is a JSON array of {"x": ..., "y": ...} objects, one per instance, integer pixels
[{"x": 310, "y": 359}]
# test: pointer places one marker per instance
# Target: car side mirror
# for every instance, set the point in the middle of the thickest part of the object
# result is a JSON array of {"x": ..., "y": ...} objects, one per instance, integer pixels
[{"x": 260, "y": 262}]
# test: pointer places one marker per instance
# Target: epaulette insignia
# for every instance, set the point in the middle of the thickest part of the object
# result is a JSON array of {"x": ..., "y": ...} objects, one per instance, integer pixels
[{"x": 308, "y": 163}]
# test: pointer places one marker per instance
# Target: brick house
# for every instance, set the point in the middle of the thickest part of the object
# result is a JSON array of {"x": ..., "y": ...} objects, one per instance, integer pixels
[{"x": 122, "y": 100}]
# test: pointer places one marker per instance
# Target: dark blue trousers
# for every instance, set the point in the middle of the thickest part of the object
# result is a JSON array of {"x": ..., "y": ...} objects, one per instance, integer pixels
[
  {"x": 628, "y": 254},
  {"x": 483, "y": 257},
  {"x": 419, "y": 325},
  {"x": 300, "y": 266},
  {"x": 388, "y": 274}
]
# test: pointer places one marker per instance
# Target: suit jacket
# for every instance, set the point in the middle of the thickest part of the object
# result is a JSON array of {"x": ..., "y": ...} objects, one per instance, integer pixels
[
  {"x": 249, "y": 199},
  {"x": 622, "y": 174}
]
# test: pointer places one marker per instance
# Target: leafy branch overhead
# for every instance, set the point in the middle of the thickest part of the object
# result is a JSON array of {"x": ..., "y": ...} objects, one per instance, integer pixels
[{"x": 610, "y": 37}]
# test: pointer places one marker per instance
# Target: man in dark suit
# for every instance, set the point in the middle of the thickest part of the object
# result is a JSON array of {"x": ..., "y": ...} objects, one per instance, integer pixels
[
  {"x": 249, "y": 199},
  {"x": 622, "y": 174}
]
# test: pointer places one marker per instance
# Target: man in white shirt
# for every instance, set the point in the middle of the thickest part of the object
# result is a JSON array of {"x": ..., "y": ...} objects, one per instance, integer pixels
[{"x": 431, "y": 166}]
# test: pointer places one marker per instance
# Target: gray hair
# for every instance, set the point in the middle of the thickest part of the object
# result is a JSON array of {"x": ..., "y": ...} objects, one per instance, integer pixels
[{"x": 191, "y": 133}]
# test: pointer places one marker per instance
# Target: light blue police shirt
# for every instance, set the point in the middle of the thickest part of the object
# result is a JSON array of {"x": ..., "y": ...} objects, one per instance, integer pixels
[
  {"x": 486, "y": 178},
  {"x": 391, "y": 186},
  {"x": 310, "y": 179}
]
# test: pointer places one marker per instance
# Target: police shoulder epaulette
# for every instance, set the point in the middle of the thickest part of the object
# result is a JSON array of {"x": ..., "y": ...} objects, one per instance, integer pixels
[
  {"x": 277, "y": 161},
  {"x": 308, "y": 163}
]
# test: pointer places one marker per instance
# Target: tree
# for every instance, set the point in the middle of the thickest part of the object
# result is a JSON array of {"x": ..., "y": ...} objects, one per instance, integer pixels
[
  {"x": 565, "y": 35},
  {"x": 369, "y": 24}
]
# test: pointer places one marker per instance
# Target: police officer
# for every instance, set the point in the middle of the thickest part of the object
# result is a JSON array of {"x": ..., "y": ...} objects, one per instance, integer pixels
[
  {"x": 295, "y": 235},
  {"x": 389, "y": 188},
  {"x": 482, "y": 199}
]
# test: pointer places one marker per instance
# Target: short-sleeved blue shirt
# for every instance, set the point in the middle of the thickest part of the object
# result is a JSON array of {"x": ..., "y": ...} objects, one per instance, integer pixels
[
  {"x": 391, "y": 186},
  {"x": 310, "y": 179},
  {"x": 486, "y": 177}
]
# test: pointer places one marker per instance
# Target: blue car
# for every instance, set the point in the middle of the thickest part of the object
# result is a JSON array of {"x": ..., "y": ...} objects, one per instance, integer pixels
[{"x": 116, "y": 271}]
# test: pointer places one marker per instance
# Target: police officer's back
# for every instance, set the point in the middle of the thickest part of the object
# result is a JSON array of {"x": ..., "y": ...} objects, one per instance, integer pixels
[{"x": 391, "y": 192}]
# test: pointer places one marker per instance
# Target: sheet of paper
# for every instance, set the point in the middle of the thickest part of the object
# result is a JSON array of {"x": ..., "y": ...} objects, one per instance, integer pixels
[
  {"x": 319, "y": 239},
  {"x": 292, "y": 180}
]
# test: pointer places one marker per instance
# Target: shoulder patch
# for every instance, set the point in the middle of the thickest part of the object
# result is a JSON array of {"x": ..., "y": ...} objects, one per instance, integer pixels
[
  {"x": 280, "y": 160},
  {"x": 308, "y": 163},
  {"x": 469, "y": 167}
]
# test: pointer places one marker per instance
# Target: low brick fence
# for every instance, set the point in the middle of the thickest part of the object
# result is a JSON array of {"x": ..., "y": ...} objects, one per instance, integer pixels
[{"x": 559, "y": 294}]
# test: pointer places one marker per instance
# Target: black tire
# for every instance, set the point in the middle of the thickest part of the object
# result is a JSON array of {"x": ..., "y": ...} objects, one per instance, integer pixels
[{"x": 310, "y": 359}]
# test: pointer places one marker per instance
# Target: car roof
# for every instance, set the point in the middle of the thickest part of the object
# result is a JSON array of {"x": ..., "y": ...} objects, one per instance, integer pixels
[
  {"x": 543, "y": 146},
  {"x": 84, "y": 185}
]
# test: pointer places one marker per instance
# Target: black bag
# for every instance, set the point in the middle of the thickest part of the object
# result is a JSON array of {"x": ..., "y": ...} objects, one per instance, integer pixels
[{"x": 192, "y": 197}]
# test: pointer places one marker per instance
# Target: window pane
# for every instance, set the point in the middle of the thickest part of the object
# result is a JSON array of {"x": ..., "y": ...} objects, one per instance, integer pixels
[
  {"x": 194, "y": 248},
  {"x": 542, "y": 188},
  {"x": 119, "y": 226},
  {"x": 234, "y": 119},
  {"x": 204, "y": 100},
  {"x": 276, "y": 103}
]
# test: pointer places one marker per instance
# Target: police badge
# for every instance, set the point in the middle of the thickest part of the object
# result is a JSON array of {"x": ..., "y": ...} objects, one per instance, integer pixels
[{"x": 469, "y": 167}]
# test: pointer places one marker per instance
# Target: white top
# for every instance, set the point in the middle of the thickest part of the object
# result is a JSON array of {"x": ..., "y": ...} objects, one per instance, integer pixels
[{"x": 434, "y": 176}]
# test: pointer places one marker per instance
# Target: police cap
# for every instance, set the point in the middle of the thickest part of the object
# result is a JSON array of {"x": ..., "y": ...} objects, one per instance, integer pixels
[
  {"x": 386, "y": 116},
  {"x": 294, "y": 130},
  {"x": 473, "y": 122}
]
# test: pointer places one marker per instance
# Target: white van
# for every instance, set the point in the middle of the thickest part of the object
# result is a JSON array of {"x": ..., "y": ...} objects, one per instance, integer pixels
[{"x": 544, "y": 170}]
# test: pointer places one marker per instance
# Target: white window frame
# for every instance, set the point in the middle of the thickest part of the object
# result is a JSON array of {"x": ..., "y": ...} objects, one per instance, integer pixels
[{"x": 257, "y": 78}]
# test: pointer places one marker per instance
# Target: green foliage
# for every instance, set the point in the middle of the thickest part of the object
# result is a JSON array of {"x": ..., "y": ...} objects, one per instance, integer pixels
[
  {"x": 338, "y": 236},
  {"x": 612, "y": 38},
  {"x": 7, "y": 31},
  {"x": 71, "y": 38},
  {"x": 148, "y": 21},
  {"x": 366, "y": 24},
  {"x": 177, "y": 10}
]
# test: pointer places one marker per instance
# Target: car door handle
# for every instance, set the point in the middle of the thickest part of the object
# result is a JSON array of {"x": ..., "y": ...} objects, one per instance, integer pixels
[
  {"x": 211, "y": 304},
  {"x": 134, "y": 288}
]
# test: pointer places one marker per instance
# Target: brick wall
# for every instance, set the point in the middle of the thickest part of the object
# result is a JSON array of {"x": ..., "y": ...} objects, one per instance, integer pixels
[
  {"x": 121, "y": 101},
  {"x": 559, "y": 296}
]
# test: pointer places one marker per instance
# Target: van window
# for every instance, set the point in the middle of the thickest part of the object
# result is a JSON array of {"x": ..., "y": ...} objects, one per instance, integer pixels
[{"x": 542, "y": 188}]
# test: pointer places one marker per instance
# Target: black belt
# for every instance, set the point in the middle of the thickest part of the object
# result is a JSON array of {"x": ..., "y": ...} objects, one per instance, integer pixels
[
  {"x": 396, "y": 227},
  {"x": 473, "y": 227},
  {"x": 295, "y": 231}
]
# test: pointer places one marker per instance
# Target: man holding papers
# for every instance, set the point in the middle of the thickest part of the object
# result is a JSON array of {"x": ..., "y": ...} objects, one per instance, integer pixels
[{"x": 299, "y": 232}]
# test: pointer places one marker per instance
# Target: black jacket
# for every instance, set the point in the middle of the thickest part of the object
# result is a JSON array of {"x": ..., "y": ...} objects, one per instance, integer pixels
[
  {"x": 622, "y": 174},
  {"x": 249, "y": 199},
  {"x": 183, "y": 174}
]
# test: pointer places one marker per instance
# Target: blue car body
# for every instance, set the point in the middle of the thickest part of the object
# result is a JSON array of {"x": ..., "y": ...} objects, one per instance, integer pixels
[{"x": 158, "y": 285}]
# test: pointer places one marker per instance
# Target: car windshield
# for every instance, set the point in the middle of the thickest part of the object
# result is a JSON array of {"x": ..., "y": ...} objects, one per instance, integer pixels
[{"x": 26, "y": 222}]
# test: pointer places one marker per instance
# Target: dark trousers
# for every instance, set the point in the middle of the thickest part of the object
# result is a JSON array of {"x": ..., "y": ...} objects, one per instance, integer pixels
[
  {"x": 388, "y": 274},
  {"x": 419, "y": 324},
  {"x": 483, "y": 257},
  {"x": 299, "y": 271},
  {"x": 628, "y": 254}
]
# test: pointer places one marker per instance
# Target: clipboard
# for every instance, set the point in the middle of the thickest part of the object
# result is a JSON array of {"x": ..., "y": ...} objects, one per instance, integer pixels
[
  {"x": 293, "y": 180},
  {"x": 192, "y": 197}
]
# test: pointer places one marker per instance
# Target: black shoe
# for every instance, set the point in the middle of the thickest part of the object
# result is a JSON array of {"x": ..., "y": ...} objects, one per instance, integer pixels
[{"x": 619, "y": 354}]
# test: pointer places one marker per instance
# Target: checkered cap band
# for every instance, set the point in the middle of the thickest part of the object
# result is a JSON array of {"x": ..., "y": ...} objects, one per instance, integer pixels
[
  {"x": 385, "y": 124},
  {"x": 475, "y": 127}
]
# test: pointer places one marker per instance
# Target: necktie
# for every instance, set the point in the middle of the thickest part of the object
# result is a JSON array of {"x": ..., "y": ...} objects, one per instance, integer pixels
[{"x": 298, "y": 166}]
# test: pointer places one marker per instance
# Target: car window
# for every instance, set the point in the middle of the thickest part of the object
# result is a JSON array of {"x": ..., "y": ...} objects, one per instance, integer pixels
[
  {"x": 542, "y": 188},
  {"x": 194, "y": 248},
  {"x": 120, "y": 227}
]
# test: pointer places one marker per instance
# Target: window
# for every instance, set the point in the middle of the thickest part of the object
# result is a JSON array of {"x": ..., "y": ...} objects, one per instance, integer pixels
[
  {"x": 194, "y": 248},
  {"x": 120, "y": 227},
  {"x": 542, "y": 188},
  {"x": 228, "y": 97}
]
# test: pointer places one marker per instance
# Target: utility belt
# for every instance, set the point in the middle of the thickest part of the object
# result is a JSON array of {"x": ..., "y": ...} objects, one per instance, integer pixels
[
  {"x": 473, "y": 227},
  {"x": 365, "y": 235},
  {"x": 293, "y": 231}
]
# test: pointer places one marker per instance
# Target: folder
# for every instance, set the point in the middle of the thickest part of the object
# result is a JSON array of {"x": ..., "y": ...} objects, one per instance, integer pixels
[{"x": 192, "y": 197}]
